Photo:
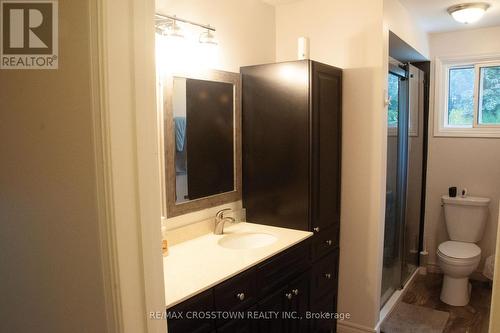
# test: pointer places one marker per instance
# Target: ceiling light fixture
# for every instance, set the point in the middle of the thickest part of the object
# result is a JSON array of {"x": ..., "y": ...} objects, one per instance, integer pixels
[{"x": 468, "y": 12}]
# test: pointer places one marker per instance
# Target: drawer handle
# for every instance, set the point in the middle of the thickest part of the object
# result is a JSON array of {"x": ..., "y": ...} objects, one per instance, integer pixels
[
  {"x": 316, "y": 229},
  {"x": 240, "y": 296},
  {"x": 329, "y": 242},
  {"x": 295, "y": 292},
  {"x": 288, "y": 295},
  {"x": 328, "y": 276}
]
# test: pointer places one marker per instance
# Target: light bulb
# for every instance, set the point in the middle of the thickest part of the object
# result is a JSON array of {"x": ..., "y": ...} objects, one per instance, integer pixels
[{"x": 207, "y": 37}]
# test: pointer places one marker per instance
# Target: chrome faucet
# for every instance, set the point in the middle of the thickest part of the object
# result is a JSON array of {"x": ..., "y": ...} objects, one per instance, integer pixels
[{"x": 220, "y": 219}]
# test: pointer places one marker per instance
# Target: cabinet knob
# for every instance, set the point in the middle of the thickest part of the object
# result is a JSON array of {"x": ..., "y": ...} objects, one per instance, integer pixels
[
  {"x": 288, "y": 295},
  {"x": 240, "y": 296},
  {"x": 328, "y": 276},
  {"x": 295, "y": 292},
  {"x": 329, "y": 242},
  {"x": 316, "y": 229}
]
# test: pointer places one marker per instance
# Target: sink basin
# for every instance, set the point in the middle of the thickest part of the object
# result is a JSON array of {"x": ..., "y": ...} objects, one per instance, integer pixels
[{"x": 247, "y": 240}]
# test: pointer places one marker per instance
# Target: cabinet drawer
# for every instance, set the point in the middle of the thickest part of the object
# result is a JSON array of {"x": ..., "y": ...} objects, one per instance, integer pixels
[
  {"x": 237, "y": 293},
  {"x": 181, "y": 324},
  {"x": 283, "y": 267},
  {"x": 324, "y": 275},
  {"x": 325, "y": 241}
]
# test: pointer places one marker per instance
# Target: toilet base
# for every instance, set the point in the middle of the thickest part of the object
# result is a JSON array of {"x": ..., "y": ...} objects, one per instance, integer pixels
[{"x": 455, "y": 291}]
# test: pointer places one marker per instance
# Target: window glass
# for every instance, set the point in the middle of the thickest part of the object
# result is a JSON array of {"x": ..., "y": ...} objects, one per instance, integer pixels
[
  {"x": 393, "y": 109},
  {"x": 461, "y": 97},
  {"x": 489, "y": 96}
]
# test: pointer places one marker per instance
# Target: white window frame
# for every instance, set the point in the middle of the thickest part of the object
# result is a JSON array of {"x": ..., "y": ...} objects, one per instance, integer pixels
[{"x": 442, "y": 70}]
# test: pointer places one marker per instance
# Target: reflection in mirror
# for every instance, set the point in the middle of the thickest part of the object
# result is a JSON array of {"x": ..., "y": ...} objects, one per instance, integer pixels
[{"x": 204, "y": 138}]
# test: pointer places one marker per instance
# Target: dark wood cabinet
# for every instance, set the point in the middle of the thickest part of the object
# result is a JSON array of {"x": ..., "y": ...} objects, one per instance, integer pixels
[
  {"x": 292, "y": 132},
  {"x": 299, "y": 304},
  {"x": 326, "y": 100},
  {"x": 279, "y": 285},
  {"x": 244, "y": 325},
  {"x": 180, "y": 317},
  {"x": 276, "y": 303}
]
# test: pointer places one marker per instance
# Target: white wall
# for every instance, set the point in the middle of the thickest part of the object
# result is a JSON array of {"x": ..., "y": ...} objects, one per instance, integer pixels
[
  {"x": 473, "y": 163},
  {"x": 401, "y": 22},
  {"x": 52, "y": 280},
  {"x": 349, "y": 34}
]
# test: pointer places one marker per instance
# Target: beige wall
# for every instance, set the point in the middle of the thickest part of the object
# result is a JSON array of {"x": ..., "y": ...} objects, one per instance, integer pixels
[
  {"x": 50, "y": 258},
  {"x": 349, "y": 34},
  {"x": 473, "y": 163},
  {"x": 245, "y": 35},
  {"x": 401, "y": 22}
]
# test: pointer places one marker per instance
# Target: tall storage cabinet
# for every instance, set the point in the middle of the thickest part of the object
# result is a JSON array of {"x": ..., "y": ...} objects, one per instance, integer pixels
[{"x": 292, "y": 159}]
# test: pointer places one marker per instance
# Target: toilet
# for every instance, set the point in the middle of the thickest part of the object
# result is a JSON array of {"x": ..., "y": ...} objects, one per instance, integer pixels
[{"x": 459, "y": 257}]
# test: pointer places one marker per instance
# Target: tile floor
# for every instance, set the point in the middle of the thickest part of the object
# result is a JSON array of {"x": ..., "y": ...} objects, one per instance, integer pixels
[{"x": 472, "y": 318}]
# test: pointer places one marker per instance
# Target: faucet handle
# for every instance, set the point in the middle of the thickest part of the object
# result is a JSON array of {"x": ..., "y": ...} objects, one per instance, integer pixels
[{"x": 220, "y": 213}]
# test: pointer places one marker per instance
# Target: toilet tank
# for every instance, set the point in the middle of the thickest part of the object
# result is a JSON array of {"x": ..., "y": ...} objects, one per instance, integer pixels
[{"x": 465, "y": 217}]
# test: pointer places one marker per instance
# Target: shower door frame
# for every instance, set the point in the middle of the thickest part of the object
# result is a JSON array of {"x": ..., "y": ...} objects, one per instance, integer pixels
[{"x": 401, "y": 71}]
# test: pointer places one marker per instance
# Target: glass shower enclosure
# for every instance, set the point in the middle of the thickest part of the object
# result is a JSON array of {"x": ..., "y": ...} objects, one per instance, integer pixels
[{"x": 405, "y": 140}]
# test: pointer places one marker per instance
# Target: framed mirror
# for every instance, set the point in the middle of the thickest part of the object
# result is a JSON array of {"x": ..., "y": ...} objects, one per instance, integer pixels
[{"x": 201, "y": 139}]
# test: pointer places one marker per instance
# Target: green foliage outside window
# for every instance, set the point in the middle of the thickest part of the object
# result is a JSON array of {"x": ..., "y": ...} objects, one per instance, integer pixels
[
  {"x": 461, "y": 97},
  {"x": 489, "y": 110},
  {"x": 393, "y": 109}
]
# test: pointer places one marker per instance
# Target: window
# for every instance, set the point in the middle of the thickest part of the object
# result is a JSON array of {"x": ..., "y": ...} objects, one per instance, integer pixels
[
  {"x": 461, "y": 97},
  {"x": 489, "y": 95},
  {"x": 467, "y": 97},
  {"x": 393, "y": 109}
]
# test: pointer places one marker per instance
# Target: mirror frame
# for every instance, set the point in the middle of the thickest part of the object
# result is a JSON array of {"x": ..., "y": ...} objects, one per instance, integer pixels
[{"x": 167, "y": 147}]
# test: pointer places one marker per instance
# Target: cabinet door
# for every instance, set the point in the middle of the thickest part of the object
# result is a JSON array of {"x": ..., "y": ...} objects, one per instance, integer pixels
[
  {"x": 326, "y": 304},
  {"x": 178, "y": 321},
  {"x": 299, "y": 304},
  {"x": 326, "y": 144},
  {"x": 245, "y": 325},
  {"x": 276, "y": 144},
  {"x": 277, "y": 304}
]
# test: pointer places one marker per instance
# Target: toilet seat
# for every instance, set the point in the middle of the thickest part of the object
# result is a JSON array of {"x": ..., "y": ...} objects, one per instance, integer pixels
[{"x": 459, "y": 251}]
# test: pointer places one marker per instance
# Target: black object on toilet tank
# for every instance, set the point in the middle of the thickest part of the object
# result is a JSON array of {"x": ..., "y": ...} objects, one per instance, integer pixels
[{"x": 452, "y": 191}]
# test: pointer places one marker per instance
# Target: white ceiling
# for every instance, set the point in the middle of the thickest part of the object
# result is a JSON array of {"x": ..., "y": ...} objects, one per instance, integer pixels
[{"x": 433, "y": 17}]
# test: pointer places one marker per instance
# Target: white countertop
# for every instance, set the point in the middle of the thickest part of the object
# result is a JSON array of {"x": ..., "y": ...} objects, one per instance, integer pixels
[{"x": 200, "y": 263}]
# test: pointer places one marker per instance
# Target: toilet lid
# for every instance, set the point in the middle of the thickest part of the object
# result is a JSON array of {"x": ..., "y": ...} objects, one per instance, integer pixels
[{"x": 459, "y": 250}]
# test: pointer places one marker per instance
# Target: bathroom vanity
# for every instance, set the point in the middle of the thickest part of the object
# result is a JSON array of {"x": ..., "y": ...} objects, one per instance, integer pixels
[{"x": 209, "y": 274}]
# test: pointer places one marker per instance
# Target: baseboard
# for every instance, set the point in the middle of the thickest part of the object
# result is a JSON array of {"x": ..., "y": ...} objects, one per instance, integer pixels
[{"x": 348, "y": 327}]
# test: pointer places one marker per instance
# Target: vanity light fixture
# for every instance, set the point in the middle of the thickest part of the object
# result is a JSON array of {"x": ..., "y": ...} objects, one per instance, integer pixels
[
  {"x": 167, "y": 25},
  {"x": 468, "y": 12},
  {"x": 207, "y": 37}
]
